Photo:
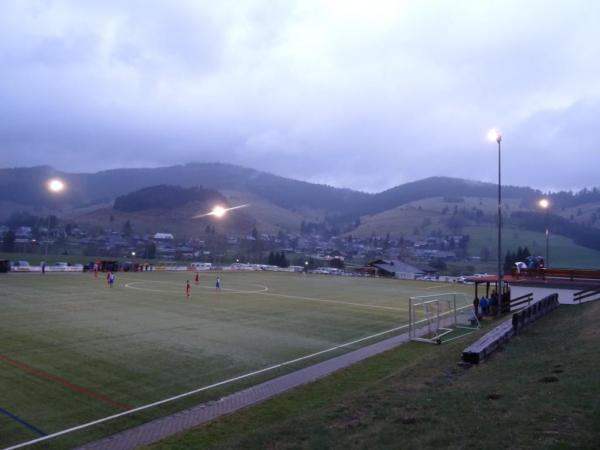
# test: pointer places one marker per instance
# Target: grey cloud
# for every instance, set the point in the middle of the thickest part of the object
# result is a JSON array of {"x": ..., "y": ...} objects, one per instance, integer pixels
[{"x": 364, "y": 95}]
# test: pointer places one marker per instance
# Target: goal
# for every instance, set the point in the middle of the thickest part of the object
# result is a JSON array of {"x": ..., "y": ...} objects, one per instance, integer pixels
[{"x": 440, "y": 318}]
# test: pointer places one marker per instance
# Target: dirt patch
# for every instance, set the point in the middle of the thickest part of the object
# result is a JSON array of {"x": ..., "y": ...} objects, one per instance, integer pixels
[
  {"x": 349, "y": 423},
  {"x": 406, "y": 420}
]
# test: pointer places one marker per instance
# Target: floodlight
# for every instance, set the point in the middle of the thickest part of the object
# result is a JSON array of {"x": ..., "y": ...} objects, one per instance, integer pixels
[
  {"x": 56, "y": 185},
  {"x": 494, "y": 135}
]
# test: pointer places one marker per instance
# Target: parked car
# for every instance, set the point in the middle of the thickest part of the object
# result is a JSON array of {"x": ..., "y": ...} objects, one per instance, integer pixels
[{"x": 19, "y": 263}]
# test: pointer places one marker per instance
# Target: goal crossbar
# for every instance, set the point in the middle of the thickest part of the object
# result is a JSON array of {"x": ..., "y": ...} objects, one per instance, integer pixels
[{"x": 432, "y": 317}]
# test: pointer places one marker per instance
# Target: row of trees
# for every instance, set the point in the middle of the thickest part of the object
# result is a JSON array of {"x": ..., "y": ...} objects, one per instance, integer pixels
[
  {"x": 512, "y": 257},
  {"x": 581, "y": 234},
  {"x": 278, "y": 259}
]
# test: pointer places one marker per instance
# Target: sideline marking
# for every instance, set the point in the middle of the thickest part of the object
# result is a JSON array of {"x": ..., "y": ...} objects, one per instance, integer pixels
[
  {"x": 441, "y": 285},
  {"x": 325, "y": 300},
  {"x": 22, "y": 422},
  {"x": 48, "y": 376},
  {"x": 206, "y": 388},
  {"x": 230, "y": 291},
  {"x": 264, "y": 292}
]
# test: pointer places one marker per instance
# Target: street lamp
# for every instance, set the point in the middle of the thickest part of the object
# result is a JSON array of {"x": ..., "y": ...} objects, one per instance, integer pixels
[
  {"x": 545, "y": 204},
  {"x": 494, "y": 135}
]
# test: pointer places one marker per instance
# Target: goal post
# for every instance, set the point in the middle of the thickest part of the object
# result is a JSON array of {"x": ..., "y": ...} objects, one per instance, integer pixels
[{"x": 440, "y": 317}]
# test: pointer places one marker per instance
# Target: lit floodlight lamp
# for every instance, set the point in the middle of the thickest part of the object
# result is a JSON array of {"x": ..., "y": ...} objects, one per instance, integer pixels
[
  {"x": 494, "y": 135},
  {"x": 219, "y": 211},
  {"x": 56, "y": 185}
]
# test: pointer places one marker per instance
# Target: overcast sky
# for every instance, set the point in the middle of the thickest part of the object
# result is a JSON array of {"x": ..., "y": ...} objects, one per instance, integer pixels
[{"x": 360, "y": 94}]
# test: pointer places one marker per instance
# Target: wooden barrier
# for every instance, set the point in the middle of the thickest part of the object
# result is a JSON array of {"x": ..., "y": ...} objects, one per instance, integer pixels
[
  {"x": 534, "y": 311},
  {"x": 567, "y": 274},
  {"x": 480, "y": 350}
]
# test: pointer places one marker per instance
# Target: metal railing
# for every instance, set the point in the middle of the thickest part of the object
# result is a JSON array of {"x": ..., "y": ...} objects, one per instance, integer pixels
[
  {"x": 586, "y": 294},
  {"x": 521, "y": 301}
]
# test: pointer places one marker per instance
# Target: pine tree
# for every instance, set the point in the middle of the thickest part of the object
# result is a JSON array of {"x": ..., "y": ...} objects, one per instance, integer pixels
[
  {"x": 127, "y": 229},
  {"x": 8, "y": 242}
]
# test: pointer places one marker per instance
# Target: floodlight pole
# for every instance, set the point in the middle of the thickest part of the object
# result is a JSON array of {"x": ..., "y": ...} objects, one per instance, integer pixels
[
  {"x": 500, "y": 291},
  {"x": 547, "y": 262},
  {"x": 47, "y": 232}
]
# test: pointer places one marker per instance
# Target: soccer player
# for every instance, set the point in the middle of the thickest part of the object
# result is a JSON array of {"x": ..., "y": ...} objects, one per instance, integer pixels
[
  {"x": 188, "y": 288},
  {"x": 111, "y": 279},
  {"x": 218, "y": 284},
  {"x": 197, "y": 279}
]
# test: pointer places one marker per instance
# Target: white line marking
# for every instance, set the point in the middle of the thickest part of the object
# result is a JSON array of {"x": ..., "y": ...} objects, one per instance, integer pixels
[
  {"x": 273, "y": 294},
  {"x": 324, "y": 300},
  {"x": 440, "y": 286},
  {"x": 262, "y": 287},
  {"x": 204, "y": 388}
]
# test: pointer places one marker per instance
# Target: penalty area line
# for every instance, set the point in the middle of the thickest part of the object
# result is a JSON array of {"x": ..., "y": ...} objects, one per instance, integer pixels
[{"x": 204, "y": 388}]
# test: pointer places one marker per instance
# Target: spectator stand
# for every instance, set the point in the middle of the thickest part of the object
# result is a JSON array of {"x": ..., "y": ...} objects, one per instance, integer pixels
[{"x": 490, "y": 282}]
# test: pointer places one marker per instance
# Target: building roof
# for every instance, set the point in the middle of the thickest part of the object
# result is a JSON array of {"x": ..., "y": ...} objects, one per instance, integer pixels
[
  {"x": 393, "y": 266},
  {"x": 163, "y": 236}
]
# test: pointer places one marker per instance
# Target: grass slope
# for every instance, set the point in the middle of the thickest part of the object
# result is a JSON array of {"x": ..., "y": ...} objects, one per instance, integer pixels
[
  {"x": 563, "y": 251},
  {"x": 427, "y": 216},
  {"x": 542, "y": 391}
]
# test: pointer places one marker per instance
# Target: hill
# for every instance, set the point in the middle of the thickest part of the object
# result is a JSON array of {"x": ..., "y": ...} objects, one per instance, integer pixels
[
  {"x": 165, "y": 197},
  {"x": 436, "y": 206},
  {"x": 26, "y": 186}
]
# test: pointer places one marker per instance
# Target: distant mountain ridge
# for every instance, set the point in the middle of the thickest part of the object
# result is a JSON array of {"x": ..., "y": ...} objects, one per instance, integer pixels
[{"x": 27, "y": 186}]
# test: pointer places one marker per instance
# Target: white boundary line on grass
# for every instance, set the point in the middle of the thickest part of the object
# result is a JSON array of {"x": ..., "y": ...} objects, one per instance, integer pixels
[
  {"x": 229, "y": 290},
  {"x": 264, "y": 292},
  {"x": 324, "y": 300},
  {"x": 206, "y": 388}
]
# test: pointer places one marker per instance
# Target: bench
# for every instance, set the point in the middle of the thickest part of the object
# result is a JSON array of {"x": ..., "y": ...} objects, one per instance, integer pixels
[{"x": 482, "y": 348}]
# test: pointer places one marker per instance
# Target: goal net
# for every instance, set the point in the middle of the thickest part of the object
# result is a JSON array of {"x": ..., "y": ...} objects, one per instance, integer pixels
[{"x": 440, "y": 318}]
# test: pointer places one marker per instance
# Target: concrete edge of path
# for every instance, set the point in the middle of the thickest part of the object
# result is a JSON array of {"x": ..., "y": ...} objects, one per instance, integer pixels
[{"x": 187, "y": 419}]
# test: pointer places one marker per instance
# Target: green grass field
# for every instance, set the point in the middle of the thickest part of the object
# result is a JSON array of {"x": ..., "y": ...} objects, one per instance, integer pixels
[
  {"x": 542, "y": 391},
  {"x": 73, "y": 350}
]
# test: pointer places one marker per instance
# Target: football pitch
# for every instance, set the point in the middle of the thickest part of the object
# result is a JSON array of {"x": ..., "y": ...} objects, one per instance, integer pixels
[{"x": 74, "y": 351}]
